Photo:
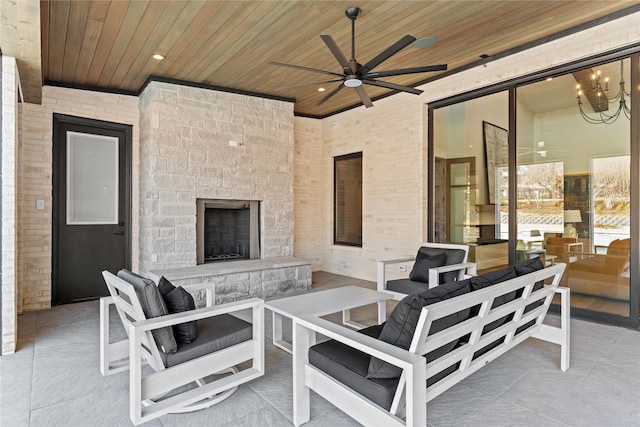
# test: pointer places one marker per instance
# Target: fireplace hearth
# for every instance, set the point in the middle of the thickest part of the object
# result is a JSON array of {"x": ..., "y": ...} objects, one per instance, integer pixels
[{"x": 227, "y": 230}]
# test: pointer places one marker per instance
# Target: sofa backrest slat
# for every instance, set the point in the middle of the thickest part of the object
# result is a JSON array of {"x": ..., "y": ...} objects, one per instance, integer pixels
[{"x": 468, "y": 333}]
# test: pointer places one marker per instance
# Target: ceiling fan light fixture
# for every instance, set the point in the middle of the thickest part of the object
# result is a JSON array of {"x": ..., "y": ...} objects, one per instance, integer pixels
[{"x": 352, "y": 81}]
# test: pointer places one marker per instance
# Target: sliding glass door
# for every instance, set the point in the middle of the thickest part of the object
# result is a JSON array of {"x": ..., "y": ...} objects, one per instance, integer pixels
[
  {"x": 547, "y": 166},
  {"x": 471, "y": 182},
  {"x": 573, "y": 174}
]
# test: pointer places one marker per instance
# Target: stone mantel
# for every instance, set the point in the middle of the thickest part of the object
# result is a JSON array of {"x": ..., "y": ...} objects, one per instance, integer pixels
[{"x": 228, "y": 267}]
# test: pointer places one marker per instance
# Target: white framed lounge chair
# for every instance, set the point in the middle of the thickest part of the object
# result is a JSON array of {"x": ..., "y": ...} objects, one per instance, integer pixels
[
  {"x": 209, "y": 362},
  {"x": 434, "y": 264}
]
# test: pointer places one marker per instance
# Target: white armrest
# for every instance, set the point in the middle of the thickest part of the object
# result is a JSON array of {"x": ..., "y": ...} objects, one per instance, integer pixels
[
  {"x": 434, "y": 273},
  {"x": 382, "y": 274},
  {"x": 201, "y": 313},
  {"x": 413, "y": 380},
  {"x": 396, "y": 261},
  {"x": 453, "y": 267},
  {"x": 210, "y": 298}
]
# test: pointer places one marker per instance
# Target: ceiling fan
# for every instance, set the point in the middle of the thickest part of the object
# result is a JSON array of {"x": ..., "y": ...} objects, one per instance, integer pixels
[{"x": 354, "y": 74}]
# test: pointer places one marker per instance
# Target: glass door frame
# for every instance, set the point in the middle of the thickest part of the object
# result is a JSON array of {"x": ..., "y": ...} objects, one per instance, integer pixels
[{"x": 632, "y": 52}]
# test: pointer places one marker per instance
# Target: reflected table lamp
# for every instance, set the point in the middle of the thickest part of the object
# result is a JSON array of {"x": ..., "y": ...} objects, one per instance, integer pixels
[{"x": 570, "y": 218}]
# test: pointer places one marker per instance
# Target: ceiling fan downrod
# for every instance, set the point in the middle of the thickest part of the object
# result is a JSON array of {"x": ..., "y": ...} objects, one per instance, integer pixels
[{"x": 353, "y": 13}]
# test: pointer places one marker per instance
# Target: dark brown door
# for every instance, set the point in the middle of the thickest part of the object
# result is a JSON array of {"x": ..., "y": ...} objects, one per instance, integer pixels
[{"x": 91, "y": 206}]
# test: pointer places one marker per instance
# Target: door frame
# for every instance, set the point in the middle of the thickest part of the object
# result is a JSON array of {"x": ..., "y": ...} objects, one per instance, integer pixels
[{"x": 63, "y": 119}]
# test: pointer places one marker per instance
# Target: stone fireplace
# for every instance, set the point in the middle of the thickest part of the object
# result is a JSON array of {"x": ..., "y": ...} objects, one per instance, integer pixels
[
  {"x": 227, "y": 230},
  {"x": 191, "y": 157}
]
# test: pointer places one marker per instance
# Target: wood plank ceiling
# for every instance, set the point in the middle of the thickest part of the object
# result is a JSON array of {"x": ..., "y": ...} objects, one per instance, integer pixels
[{"x": 108, "y": 44}]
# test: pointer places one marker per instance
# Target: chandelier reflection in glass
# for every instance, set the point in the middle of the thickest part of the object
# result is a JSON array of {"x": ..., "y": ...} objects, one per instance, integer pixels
[{"x": 602, "y": 100}]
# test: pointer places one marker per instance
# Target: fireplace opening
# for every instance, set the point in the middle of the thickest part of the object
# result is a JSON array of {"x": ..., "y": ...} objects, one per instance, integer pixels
[{"x": 227, "y": 230}]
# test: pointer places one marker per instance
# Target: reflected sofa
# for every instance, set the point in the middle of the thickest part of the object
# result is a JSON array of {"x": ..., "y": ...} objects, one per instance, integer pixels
[{"x": 605, "y": 275}]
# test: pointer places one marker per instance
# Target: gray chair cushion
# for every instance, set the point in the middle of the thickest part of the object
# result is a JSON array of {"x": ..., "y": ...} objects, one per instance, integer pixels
[
  {"x": 424, "y": 262},
  {"x": 454, "y": 256},
  {"x": 214, "y": 333},
  {"x": 492, "y": 278},
  {"x": 529, "y": 266},
  {"x": 153, "y": 306},
  {"x": 402, "y": 323},
  {"x": 178, "y": 301},
  {"x": 406, "y": 286},
  {"x": 349, "y": 366}
]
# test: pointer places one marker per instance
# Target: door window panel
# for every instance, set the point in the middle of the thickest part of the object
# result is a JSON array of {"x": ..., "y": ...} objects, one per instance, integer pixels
[{"x": 92, "y": 179}]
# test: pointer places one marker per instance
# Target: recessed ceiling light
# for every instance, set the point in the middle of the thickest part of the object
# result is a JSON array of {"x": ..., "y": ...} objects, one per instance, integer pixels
[
  {"x": 549, "y": 79},
  {"x": 158, "y": 56},
  {"x": 321, "y": 89}
]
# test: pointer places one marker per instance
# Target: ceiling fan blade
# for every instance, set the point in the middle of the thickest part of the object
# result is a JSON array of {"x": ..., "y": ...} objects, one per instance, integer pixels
[
  {"x": 330, "y": 94},
  {"x": 393, "y": 86},
  {"x": 300, "y": 67},
  {"x": 333, "y": 47},
  {"x": 402, "y": 71},
  {"x": 387, "y": 53},
  {"x": 310, "y": 84},
  {"x": 364, "y": 97}
]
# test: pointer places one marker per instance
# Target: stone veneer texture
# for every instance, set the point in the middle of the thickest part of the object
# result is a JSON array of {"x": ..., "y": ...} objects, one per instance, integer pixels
[
  {"x": 265, "y": 283},
  {"x": 307, "y": 186},
  {"x": 186, "y": 154}
]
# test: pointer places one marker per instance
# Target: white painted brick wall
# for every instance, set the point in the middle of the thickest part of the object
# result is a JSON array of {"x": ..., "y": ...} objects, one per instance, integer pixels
[
  {"x": 308, "y": 190},
  {"x": 9, "y": 91},
  {"x": 35, "y": 172},
  {"x": 185, "y": 134},
  {"x": 392, "y": 137}
]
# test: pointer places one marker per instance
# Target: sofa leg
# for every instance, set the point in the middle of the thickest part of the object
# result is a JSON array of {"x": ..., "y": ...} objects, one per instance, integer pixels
[
  {"x": 560, "y": 335},
  {"x": 565, "y": 320}
]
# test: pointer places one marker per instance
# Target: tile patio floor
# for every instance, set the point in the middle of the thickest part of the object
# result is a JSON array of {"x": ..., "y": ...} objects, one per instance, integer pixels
[{"x": 54, "y": 380}]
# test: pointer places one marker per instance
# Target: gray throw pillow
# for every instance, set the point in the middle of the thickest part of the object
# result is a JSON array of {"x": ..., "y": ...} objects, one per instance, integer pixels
[
  {"x": 454, "y": 256},
  {"x": 402, "y": 323},
  {"x": 153, "y": 306},
  {"x": 425, "y": 262},
  {"x": 165, "y": 286},
  {"x": 178, "y": 301}
]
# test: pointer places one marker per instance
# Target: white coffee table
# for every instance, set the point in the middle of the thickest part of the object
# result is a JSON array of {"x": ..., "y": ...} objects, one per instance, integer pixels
[{"x": 322, "y": 303}]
